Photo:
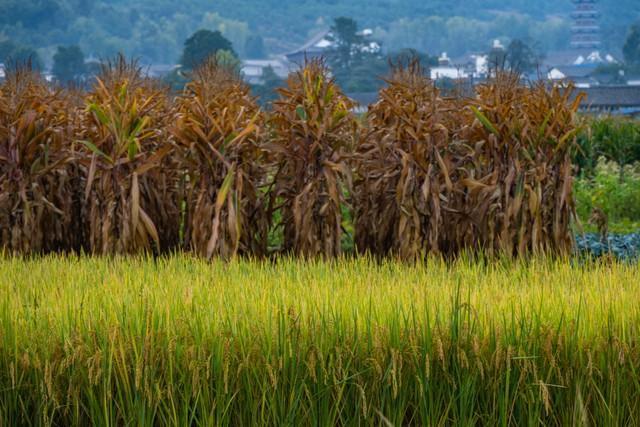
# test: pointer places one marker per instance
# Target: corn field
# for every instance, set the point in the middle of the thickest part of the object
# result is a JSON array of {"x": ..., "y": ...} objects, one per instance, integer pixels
[{"x": 128, "y": 168}]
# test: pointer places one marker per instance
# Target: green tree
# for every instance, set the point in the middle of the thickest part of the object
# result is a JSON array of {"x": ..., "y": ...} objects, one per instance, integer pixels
[
  {"x": 6, "y": 47},
  {"x": 344, "y": 34},
  {"x": 518, "y": 57},
  {"x": 228, "y": 59},
  {"x": 179, "y": 77},
  {"x": 366, "y": 74},
  {"x": 521, "y": 58},
  {"x": 356, "y": 66},
  {"x": 497, "y": 58},
  {"x": 406, "y": 55},
  {"x": 22, "y": 56},
  {"x": 201, "y": 45},
  {"x": 631, "y": 48},
  {"x": 610, "y": 74},
  {"x": 68, "y": 64},
  {"x": 266, "y": 92},
  {"x": 254, "y": 47}
]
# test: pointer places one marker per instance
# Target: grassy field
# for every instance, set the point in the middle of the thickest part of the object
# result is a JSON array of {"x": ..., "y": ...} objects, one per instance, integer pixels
[{"x": 179, "y": 341}]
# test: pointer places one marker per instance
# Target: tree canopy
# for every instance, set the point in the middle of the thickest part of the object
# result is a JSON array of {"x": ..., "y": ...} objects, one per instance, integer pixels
[
  {"x": 631, "y": 48},
  {"x": 68, "y": 64},
  {"x": 17, "y": 56},
  {"x": 202, "y": 45},
  {"x": 153, "y": 30}
]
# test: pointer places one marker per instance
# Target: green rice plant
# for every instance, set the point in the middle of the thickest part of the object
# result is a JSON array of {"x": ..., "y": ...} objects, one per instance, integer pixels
[
  {"x": 130, "y": 184},
  {"x": 38, "y": 203},
  {"x": 313, "y": 133},
  {"x": 184, "y": 341},
  {"x": 218, "y": 131}
]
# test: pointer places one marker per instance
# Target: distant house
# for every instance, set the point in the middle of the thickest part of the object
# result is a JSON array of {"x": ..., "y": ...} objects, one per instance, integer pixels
[
  {"x": 580, "y": 75},
  {"x": 363, "y": 100},
  {"x": 617, "y": 100},
  {"x": 446, "y": 70},
  {"x": 159, "y": 71},
  {"x": 253, "y": 69},
  {"x": 316, "y": 47},
  {"x": 577, "y": 67},
  {"x": 322, "y": 43},
  {"x": 633, "y": 80}
]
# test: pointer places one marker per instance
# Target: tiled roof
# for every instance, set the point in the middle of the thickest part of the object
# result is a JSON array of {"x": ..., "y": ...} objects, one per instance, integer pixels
[
  {"x": 573, "y": 71},
  {"x": 611, "y": 96}
]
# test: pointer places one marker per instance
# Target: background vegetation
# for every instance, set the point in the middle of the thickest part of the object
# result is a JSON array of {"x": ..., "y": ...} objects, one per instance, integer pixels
[
  {"x": 154, "y": 30},
  {"x": 608, "y": 161}
]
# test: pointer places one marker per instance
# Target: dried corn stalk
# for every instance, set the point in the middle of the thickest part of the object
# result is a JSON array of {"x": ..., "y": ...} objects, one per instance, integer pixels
[
  {"x": 37, "y": 203},
  {"x": 406, "y": 168},
  {"x": 313, "y": 133},
  {"x": 218, "y": 131},
  {"x": 489, "y": 174},
  {"x": 520, "y": 178},
  {"x": 130, "y": 189}
]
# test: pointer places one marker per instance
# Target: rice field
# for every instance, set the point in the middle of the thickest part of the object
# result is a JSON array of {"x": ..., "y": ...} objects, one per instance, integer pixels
[{"x": 184, "y": 341}]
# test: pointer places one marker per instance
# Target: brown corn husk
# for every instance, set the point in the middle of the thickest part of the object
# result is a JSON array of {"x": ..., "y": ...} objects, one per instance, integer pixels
[
  {"x": 489, "y": 174},
  {"x": 519, "y": 198},
  {"x": 407, "y": 168}
]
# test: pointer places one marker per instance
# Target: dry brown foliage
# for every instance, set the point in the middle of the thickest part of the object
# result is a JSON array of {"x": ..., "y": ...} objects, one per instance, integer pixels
[
  {"x": 130, "y": 187},
  {"x": 38, "y": 207},
  {"x": 218, "y": 130},
  {"x": 519, "y": 184},
  {"x": 442, "y": 175},
  {"x": 406, "y": 168},
  {"x": 313, "y": 132},
  {"x": 125, "y": 169}
]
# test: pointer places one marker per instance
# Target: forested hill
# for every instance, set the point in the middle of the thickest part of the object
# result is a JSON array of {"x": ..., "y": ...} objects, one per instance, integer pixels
[{"x": 156, "y": 29}]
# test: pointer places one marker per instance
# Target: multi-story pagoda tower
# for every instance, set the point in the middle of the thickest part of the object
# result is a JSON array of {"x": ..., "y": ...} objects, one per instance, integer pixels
[{"x": 585, "y": 30}]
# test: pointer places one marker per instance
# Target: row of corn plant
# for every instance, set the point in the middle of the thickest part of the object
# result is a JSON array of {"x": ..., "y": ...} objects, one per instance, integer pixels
[
  {"x": 129, "y": 195},
  {"x": 405, "y": 168},
  {"x": 127, "y": 168},
  {"x": 522, "y": 192},
  {"x": 313, "y": 133},
  {"x": 492, "y": 173}
]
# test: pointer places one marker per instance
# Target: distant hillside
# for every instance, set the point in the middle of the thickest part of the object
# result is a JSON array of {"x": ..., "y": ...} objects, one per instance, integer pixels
[{"x": 155, "y": 29}]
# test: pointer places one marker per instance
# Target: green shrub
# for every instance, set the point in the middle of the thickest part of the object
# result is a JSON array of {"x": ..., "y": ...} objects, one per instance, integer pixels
[
  {"x": 615, "y": 138},
  {"x": 619, "y": 198}
]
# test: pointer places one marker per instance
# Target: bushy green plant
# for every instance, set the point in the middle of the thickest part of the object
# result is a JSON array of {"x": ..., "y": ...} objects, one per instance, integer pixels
[
  {"x": 619, "y": 198},
  {"x": 615, "y": 138}
]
